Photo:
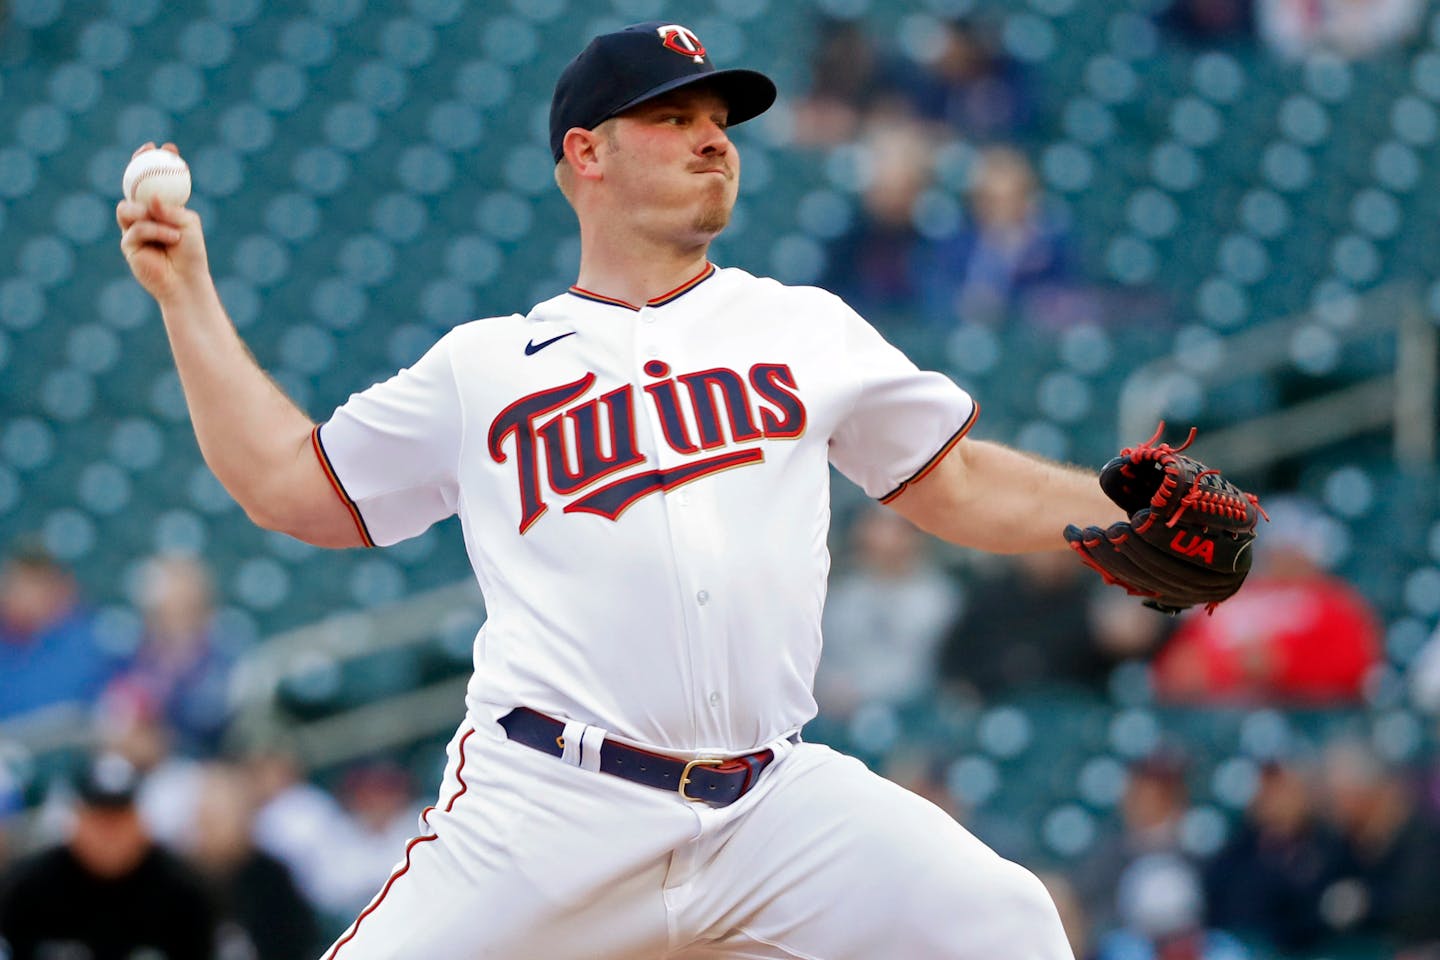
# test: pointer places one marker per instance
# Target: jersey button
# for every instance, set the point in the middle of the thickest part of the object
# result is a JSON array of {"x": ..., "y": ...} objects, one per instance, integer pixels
[
  {"x": 714, "y": 699},
  {"x": 703, "y": 597}
]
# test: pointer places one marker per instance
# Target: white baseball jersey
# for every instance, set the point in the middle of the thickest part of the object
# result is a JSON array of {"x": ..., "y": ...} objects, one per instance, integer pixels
[{"x": 644, "y": 493}]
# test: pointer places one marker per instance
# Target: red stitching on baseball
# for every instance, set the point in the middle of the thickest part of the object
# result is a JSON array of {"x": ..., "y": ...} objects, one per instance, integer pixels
[{"x": 141, "y": 178}]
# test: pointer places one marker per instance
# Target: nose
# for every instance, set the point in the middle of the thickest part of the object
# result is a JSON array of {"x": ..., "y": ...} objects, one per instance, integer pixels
[{"x": 714, "y": 141}]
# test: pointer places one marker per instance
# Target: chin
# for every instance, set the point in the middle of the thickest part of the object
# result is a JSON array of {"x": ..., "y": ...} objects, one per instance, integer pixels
[
  {"x": 715, "y": 205},
  {"x": 712, "y": 220},
  {"x": 714, "y": 214}
]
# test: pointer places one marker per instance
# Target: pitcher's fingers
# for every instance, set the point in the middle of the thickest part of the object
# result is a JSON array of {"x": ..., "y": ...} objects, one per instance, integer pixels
[
  {"x": 167, "y": 145},
  {"x": 175, "y": 216},
  {"x": 127, "y": 212},
  {"x": 147, "y": 145},
  {"x": 145, "y": 232}
]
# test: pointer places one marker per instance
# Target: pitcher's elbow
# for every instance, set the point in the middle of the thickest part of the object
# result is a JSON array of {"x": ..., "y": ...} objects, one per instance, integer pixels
[{"x": 266, "y": 517}]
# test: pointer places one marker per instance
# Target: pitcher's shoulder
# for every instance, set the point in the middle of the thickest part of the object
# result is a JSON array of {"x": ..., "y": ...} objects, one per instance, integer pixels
[
  {"x": 799, "y": 296},
  {"x": 487, "y": 329}
]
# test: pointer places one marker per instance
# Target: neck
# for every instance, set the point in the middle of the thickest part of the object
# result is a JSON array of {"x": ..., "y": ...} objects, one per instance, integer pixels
[{"x": 634, "y": 268}]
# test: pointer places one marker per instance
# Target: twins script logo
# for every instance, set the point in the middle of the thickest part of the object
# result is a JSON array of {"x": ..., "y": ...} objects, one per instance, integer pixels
[{"x": 565, "y": 443}]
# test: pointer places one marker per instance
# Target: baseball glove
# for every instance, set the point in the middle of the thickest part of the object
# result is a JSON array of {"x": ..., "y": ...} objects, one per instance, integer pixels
[{"x": 1188, "y": 539}]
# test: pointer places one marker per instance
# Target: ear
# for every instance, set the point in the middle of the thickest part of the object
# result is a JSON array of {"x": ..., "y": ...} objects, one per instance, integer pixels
[{"x": 582, "y": 150}]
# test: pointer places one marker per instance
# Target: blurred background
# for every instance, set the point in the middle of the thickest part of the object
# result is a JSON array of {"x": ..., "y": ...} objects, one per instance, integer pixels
[{"x": 1090, "y": 214}]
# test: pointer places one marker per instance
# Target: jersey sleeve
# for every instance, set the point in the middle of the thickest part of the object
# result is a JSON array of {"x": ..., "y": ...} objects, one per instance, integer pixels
[
  {"x": 391, "y": 451},
  {"x": 903, "y": 419}
]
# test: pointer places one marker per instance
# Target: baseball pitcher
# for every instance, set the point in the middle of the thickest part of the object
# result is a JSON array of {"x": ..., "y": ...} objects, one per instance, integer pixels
[{"x": 640, "y": 468}]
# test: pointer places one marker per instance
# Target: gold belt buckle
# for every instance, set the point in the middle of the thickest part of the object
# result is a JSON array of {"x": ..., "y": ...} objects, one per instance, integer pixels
[{"x": 685, "y": 776}]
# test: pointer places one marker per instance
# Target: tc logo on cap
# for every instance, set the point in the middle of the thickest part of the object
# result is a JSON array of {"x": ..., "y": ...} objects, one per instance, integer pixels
[{"x": 682, "y": 40}]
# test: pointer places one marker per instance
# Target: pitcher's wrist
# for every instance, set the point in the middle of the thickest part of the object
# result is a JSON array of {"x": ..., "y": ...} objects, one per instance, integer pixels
[{"x": 191, "y": 295}]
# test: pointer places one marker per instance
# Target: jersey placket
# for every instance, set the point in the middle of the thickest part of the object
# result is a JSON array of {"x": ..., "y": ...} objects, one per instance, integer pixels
[{"x": 656, "y": 341}]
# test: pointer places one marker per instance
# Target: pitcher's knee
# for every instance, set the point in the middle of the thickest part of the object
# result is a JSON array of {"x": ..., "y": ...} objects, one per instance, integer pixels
[{"x": 1010, "y": 914}]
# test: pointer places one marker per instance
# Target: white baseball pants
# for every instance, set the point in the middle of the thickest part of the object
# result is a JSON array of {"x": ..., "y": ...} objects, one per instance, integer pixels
[{"x": 526, "y": 857}]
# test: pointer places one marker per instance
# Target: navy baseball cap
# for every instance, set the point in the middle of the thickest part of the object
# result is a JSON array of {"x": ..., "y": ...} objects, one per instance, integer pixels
[
  {"x": 621, "y": 70},
  {"x": 109, "y": 781}
]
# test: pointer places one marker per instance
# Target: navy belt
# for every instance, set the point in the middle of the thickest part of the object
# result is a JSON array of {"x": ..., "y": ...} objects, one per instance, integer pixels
[{"x": 713, "y": 781}]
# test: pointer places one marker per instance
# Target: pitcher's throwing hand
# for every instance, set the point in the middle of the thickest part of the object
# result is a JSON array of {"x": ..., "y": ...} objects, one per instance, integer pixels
[{"x": 162, "y": 242}]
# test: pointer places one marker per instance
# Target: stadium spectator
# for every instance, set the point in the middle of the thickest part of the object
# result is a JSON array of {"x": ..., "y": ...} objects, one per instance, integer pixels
[
  {"x": 1206, "y": 22},
  {"x": 884, "y": 618},
  {"x": 109, "y": 892},
  {"x": 170, "y": 785},
  {"x": 971, "y": 86},
  {"x": 180, "y": 671},
  {"x": 1152, "y": 809},
  {"x": 1386, "y": 881},
  {"x": 379, "y": 798},
  {"x": 1266, "y": 882},
  {"x": 291, "y": 814},
  {"x": 12, "y": 800},
  {"x": 262, "y": 912},
  {"x": 1424, "y": 682},
  {"x": 1010, "y": 259},
  {"x": 1353, "y": 29},
  {"x": 1011, "y": 638},
  {"x": 1125, "y": 631},
  {"x": 878, "y": 265},
  {"x": 1295, "y": 635},
  {"x": 49, "y": 652},
  {"x": 844, "y": 79},
  {"x": 1162, "y": 915}
]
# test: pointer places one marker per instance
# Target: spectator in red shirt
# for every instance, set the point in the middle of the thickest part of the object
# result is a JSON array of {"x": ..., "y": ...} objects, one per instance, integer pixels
[{"x": 1295, "y": 634}]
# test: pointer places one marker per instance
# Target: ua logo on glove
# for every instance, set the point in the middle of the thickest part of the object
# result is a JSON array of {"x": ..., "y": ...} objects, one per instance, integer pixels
[{"x": 1198, "y": 546}]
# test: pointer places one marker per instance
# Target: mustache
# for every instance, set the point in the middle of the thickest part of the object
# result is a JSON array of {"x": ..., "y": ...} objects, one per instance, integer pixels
[{"x": 708, "y": 166}]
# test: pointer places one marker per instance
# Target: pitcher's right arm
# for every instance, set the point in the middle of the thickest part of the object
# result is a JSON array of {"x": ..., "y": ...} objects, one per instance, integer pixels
[{"x": 254, "y": 438}]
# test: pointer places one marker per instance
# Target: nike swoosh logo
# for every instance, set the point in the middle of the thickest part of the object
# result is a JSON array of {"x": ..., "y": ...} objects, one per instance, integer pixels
[{"x": 533, "y": 348}]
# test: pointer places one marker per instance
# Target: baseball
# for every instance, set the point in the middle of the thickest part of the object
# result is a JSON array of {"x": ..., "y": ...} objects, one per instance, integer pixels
[{"x": 157, "y": 173}]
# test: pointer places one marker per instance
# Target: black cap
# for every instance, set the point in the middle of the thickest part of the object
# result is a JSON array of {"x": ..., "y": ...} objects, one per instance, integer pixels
[
  {"x": 621, "y": 70},
  {"x": 108, "y": 781}
]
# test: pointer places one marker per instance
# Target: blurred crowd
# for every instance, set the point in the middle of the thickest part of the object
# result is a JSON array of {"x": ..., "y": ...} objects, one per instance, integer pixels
[
  {"x": 1337, "y": 846},
  {"x": 169, "y": 815},
  {"x": 900, "y": 628},
  {"x": 1336, "y": 840},
  {"x": 952, "y": 115},
  {"x": 175, "y": 817},
  {"x": 907, "y": 255}
]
